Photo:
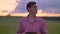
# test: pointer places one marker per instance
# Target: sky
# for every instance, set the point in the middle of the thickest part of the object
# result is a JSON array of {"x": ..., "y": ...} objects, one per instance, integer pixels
[
  {"x": 48, "y": 6},
  {"x": 7, "y": 4}
]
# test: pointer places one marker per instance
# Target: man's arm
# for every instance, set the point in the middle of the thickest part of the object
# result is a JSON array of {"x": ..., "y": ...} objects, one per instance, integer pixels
[
  {"x": 20, "y": 29},
  {"x": 44, "y": 28}
]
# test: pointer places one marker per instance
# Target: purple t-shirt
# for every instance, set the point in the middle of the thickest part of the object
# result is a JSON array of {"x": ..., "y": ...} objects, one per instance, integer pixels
[{"x": 38, "y": 25}]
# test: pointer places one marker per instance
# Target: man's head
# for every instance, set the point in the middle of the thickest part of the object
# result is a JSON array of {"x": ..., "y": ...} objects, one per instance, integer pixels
[{"x": 31, "y": 7}]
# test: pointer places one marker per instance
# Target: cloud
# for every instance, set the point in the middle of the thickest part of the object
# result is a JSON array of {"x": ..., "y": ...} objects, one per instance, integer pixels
[
  {"x": 52, "y": 10},
  {"x": 53, "y": 6},
  {"x": 41, "y": 4}
]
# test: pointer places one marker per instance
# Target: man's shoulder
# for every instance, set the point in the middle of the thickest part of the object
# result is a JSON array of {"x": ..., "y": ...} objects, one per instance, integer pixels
[
  {"x": 23, "y": 18},
  {"x": 40, "y": 19}
]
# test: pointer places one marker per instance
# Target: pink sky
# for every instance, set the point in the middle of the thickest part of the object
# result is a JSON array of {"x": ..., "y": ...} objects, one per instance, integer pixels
[
  {"x": 10, "y": 5},
  {"x": 7, "y": 4}
]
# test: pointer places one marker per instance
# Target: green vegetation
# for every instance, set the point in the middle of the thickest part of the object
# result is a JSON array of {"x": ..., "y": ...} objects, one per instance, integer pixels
[{"x": 8, "y": 25}]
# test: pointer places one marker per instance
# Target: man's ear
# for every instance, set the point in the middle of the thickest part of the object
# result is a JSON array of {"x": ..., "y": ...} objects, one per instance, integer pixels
[{"x": 29, "y": 9}]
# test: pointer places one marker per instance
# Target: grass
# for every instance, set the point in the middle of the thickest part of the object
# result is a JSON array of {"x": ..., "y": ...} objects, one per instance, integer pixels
[{"x": 8, "y": 25}]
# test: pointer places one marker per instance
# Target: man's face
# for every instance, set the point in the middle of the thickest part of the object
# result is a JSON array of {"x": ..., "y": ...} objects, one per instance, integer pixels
[{"x": 33, "y": 9}]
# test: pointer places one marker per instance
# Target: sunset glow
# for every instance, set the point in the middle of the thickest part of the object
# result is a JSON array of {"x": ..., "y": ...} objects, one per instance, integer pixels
[
  {"x": 7, "y": 4},
  {"x": 10, "y": 5}
]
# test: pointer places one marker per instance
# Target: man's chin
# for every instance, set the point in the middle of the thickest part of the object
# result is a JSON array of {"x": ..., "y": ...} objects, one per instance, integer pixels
[{"x": 35, "y": 13}]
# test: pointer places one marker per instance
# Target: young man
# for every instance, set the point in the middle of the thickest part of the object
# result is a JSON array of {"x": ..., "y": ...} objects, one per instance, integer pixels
[{"x": 32, "y": 24}]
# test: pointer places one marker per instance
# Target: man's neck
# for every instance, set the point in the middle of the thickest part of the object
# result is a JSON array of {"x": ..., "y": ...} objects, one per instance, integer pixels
[{"x": 32, "y": 16}]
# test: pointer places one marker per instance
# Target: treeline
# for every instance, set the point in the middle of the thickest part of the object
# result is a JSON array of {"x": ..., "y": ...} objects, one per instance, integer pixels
[
  {"x": 47, "y": 18},
  {"x": 51, "y": 18}
]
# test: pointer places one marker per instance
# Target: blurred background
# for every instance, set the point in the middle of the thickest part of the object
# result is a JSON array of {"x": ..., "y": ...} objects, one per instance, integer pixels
[{"x": 12, "y": 10}]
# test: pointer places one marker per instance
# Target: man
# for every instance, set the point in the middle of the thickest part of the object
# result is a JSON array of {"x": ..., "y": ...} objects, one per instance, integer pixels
[{"x": 32, "y": 24}]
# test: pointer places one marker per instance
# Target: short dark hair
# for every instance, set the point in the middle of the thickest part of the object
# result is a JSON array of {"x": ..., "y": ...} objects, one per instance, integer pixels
[{"x": 29, "y": 4}]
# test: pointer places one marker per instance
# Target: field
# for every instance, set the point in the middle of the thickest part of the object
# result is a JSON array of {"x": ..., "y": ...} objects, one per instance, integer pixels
[{"x": 8, "y": 25}]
